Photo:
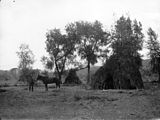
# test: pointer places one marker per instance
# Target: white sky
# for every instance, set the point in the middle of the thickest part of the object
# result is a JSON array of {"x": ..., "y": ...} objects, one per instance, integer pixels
[{"x": 27, "y": 21}]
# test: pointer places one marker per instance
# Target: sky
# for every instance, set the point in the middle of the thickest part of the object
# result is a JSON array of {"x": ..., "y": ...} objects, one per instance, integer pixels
[{"x": 27, "y": 21}]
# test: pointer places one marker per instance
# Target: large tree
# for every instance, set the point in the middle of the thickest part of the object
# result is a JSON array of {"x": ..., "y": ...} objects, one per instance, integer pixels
[
  {"x": 154, "y": 51},
  {"x": 60, "y": 48},
  {"x": 90, "y": 41},
  {"x": 127, "y": 42},
  {"x": 121, "y": 70},
  {"x": 26, "y": 60}
]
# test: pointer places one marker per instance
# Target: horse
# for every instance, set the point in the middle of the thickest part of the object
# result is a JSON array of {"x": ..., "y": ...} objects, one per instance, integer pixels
[{"x": 46, "y": 80}]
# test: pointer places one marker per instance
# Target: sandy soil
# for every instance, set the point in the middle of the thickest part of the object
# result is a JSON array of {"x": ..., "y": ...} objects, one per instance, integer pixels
[{"x": 76, "y": 103}]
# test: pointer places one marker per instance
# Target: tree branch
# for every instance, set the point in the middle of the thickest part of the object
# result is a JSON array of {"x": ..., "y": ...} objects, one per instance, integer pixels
[{"x": 64, "y": 55}]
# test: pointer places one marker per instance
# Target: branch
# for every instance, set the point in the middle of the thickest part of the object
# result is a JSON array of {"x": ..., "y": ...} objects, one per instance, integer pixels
[
  {"x": 64, "y": 55},
  {"x": 57, "y": 67}
]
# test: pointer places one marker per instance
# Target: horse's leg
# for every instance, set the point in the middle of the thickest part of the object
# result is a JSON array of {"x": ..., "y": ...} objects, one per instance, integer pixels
[
  {"x": 46, "y": 86},
  {"x": 58, "y": 85},
  {"x": 32, "y": 88},
  {"x": 29, "y": 87}
]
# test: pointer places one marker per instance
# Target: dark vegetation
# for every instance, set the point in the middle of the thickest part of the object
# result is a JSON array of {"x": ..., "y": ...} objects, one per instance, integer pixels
[
  {"x": 108, "y": 77},
  {"x": 154, "y": 51}
]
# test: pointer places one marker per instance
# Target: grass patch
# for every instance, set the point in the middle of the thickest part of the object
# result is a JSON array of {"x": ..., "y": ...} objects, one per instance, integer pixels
[
  {"x": 4, "y": 85},
  {"x": 92, "y": 98},
  {"x": 77, "y": 97}
]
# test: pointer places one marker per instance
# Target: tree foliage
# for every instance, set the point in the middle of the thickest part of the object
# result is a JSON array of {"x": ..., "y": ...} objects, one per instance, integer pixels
[
  {"x": 90, "y": 40},
  {"x": 26, "y": 57},
  {"x": 60, "y": 48},
  {"x": 127, "y": 41}
]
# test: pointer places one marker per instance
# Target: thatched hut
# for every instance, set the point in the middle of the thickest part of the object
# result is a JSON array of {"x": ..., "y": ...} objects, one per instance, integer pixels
[
  {"x": 72, "y": 78},
  {"x": 102, "y": 79},
  {"x": 114, "y": 76}
]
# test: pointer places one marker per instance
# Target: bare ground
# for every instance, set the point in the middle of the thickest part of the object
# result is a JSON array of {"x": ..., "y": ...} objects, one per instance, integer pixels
[{"x": 76, "y": 103}]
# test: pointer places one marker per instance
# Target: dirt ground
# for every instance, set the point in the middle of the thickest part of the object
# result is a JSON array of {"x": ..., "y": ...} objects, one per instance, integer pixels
[{"x": 76, "y": 103}]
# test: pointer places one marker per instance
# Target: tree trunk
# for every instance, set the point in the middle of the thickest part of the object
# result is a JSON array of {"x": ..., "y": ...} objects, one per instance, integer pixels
[
  {"x": 88, "y": 79},
  {"x": 59, "y": 75},
  {"x": 158, "y": 76}
]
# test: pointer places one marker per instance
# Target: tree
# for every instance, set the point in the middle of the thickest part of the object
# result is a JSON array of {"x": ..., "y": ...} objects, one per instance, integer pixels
[
  {"x": 26, "y": 57},
  {"x": 60, "y": 48},
  {"x": 127, "y": 42},
  {"x": 90, "y": 41},
  {"x": 154, "y": 51},
  {"x": 121, "y": 70}
]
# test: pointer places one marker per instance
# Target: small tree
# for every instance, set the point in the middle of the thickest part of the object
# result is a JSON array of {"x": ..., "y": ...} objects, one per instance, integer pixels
[
  {"x": 26, "y": 57},
  {"x": 154, "y": 51}
]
